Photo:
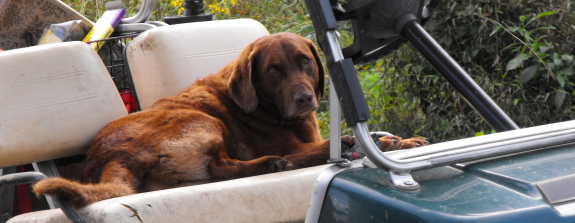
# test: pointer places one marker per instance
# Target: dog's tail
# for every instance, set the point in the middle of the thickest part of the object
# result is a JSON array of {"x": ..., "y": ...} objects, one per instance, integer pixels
[{"x": 79, "y": 194}]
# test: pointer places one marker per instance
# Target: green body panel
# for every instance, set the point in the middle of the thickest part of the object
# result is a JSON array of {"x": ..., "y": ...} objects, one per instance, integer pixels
[{"x": 499, "y": 190}]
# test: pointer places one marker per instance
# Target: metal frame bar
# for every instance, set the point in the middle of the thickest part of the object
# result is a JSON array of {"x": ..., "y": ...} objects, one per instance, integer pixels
[
  {"x": 334, "y": 126},
  {"x": 143, "y": 14},
  {"x": 457, "y": 77},
  {"x": 49, "y": 169},
  {"x": 7, "y": 194},
  {"x": 468, "y": 149},
  {"x": 320, "y": 189}
]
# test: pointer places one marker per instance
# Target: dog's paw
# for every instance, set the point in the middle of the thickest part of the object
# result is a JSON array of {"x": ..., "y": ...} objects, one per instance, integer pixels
[
  {"x": 347, "y": 142},
  {"x": 278, "y": 164},
  {"x": 390, "y": 143},
  {"x": 414, "y": 142}
]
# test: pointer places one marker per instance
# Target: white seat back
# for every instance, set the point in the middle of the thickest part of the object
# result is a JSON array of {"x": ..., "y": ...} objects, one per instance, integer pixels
[
  {"x": 166, "y": 60},
  {"x": 53, "y": 100}
]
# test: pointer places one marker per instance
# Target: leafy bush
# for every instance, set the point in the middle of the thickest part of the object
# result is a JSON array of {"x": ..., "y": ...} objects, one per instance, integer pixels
[{"x": 519, "y": 52}]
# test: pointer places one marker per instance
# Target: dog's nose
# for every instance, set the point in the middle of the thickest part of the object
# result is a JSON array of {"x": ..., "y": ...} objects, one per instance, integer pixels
[
  {"x": 303, "y": 98},
  {"x": 303, "y": 102}
]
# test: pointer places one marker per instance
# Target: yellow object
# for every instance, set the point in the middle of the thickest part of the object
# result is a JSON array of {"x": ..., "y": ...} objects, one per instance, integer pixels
[{"x": 104, "y": 27}]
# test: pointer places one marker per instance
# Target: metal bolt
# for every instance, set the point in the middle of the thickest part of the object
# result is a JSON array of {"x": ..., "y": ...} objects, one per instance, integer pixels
[{"x": 408, "y": 182}]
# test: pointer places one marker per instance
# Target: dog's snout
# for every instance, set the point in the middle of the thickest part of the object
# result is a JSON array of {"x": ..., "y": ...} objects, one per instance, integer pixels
[
  {"x": 303, "y": 98},
  {"x": 304, "y": 101}
]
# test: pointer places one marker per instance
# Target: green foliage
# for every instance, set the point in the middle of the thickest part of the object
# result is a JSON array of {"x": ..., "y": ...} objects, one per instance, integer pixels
[
  {"x": 519, "y": 52},
  {"x": 276, "y": 15},
  {"x": 559, "y": 67}
]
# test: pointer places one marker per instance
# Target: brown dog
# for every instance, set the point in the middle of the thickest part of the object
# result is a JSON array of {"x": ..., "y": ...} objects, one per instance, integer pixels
[{"x": 255, "y": 116}]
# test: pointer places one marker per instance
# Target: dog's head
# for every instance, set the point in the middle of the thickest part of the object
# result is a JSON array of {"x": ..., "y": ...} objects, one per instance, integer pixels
[{"x": 280, "y": 73}]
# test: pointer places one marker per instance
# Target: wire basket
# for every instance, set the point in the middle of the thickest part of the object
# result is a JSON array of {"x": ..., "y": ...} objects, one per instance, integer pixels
[{"x": 112, "y": 54}]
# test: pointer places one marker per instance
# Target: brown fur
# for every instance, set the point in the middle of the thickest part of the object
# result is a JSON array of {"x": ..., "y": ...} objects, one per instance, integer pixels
[{"x": 255, "y": 116}]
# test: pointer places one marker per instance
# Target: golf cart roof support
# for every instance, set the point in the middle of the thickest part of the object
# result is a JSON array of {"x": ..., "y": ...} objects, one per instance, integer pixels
[
  {"x": 343, "y": 76},
  {"x": 457, "y": 77}
]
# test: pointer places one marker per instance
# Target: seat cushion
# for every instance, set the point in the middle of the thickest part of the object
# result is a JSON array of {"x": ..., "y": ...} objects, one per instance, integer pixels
[
  {"x": 277, "y": 197},
  {"x": 53, "y": 101},
  {"x": 166, "y": 60}
]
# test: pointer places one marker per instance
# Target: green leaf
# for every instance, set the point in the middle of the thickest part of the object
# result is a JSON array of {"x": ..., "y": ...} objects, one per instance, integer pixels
[
  {"x": 481, "y": 133},
  {"x": 516, "y": 62},
  {"x": 531, "y": 20},
  {"x": 496, "y": 30},
  {"x": 548, "y": 13},
  {"x": 567, "y": 58},
  {"x": 568, "y": 71},
  {"x": 551, "y": 65},
  {"x": 557, "y": 60},
  {"x": 299, "y": 18},
  {"x": 386, "y": 99},
  {"x": 536, "y": 44},
  {"x": 308, "y": 29},
  {"x": 559, "y": 97},
  {"x": 448, "y": 40},
  {"x": 528, "y": 73},
  {"x": 544, "y": 49},
  {"x": 546, "y": 27},
  {"x": 515, "y": 102},
  {"x": 561, "y": 80},
  {"x": 474, "y": 52}
]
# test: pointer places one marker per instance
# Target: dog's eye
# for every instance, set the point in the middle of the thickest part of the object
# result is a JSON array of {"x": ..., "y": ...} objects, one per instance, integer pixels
[
  {"x": 305, "y": 61},
  {"x": 272, "y": 70}
]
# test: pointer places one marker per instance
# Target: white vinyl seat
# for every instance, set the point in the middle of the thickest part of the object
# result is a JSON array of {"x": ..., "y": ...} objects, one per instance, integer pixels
[
  {"x": 53, "y": 101},
  {"x": 166, "y": 60},
  {"x": 277, "y": 197}
]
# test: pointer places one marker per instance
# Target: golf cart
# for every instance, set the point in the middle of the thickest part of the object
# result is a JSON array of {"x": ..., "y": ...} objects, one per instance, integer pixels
[{"x": 62, "y": 94}]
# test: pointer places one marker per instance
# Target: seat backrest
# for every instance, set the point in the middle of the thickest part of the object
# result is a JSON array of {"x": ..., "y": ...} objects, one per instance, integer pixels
[
  {"x": 53, "y": 101},
  {"x": 166, "y": 60}
]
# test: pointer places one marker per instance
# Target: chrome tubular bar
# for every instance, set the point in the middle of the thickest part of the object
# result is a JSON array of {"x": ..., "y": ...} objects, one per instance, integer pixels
[
  {"x": 467, "y": 149},
  {"x": 332, "y": 37},
  {"x": 142, "y": 15},
  {"x": 334, "y": 106},
  {"x": 361, "y": 132},
  {"x": 334, "y": 126}
]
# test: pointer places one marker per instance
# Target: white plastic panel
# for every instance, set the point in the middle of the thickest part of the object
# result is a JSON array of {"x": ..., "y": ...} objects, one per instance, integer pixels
[
  {"x": 166, "y": 60},
  {"x": 53, "y": 100},
  {"x": 277, "y": 197}
]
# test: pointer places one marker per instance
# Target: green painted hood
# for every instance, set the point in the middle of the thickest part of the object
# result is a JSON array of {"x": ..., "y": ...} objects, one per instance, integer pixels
[{"x": 531, "y": 187}]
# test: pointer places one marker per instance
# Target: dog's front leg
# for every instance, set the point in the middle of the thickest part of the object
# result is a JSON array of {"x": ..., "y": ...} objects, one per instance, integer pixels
[
  {"x": 313, "y": 154},
  {"x": 317, "y": 153}
]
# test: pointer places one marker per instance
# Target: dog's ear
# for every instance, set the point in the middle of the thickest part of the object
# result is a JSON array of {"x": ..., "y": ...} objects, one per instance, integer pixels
[
  {"x": 319, "y": 90},
  {"x": 240, "y": 85}
]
